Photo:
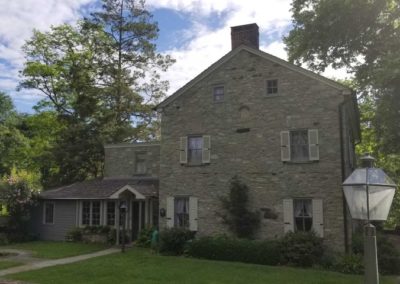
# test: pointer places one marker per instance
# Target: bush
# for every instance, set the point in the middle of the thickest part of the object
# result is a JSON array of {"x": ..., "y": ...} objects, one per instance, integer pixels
[
  {"x": 350, "y": 263},
  {"x": 388, "y": 255},
  {"x": 302, "y": 249},
  {"x": 74, "y": 235},
  {"x": 144, "y": 239},
  {"x": 229, "y": 249},
  {"x": 174, "y": 240}
]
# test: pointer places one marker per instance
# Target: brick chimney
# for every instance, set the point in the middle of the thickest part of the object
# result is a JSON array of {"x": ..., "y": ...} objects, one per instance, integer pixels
[{"x": 245, "y": 34}]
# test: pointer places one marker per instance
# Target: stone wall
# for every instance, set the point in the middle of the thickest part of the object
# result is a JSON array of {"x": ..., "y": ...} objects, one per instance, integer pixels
[
  {"x": 301, "y": 103},
  {"x": 120, "y": 159}
]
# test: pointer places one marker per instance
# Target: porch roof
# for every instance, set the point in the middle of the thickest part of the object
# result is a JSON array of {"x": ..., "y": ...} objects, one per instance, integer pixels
[{"x": 102, "y": 189}]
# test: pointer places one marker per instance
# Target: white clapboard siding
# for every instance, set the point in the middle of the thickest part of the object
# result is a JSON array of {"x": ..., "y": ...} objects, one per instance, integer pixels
[
  {"x": 170, "y": 212},
  {"x": 206, "y": 149},
  {"x": 318, "y": 217},
  {"x": 183, "y": 149},
  {"x": 285, "y": 146},
  {"x": 193, "y": 214},
  {"x": 288, "y": 217},
  {"x": 313, "y": 144}
]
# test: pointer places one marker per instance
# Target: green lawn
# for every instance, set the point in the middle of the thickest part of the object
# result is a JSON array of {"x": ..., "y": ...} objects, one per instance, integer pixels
[
  {"x": 53, "y": 250},
  {"x": 141, "y": 266},
  {"x": 8, "y": 263}
]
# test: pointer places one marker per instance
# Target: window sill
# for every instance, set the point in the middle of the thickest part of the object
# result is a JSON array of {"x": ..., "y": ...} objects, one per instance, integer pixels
[
  {"x": 300, "y": 162},
  {"x": 194, "y": 165},
  {"x": 272, "y": 95}
]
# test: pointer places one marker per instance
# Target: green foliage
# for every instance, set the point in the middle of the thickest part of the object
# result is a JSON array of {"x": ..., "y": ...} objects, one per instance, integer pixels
[
  {"x": 74, "y": 235},
  {"x": 230, "y": 249},
  {"x": 18, "y": 191},
  {"x": 174, "y": 240},
  {"x": 242, "y": 222},
  {"x": 303, "y": 249},
  {"x": 388, "y": 254},
  {"x": 350, "y": 264},
  {"x": 144, "y": 239},
  {"x": 87, "y": 234}
]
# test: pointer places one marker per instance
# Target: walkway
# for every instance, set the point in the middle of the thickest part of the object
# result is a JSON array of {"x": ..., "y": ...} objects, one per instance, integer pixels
[{"x": 35, "y": 263}]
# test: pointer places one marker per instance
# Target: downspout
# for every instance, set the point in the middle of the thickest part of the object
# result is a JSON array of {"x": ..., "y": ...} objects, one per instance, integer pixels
[{"x": 346, "y": 237}]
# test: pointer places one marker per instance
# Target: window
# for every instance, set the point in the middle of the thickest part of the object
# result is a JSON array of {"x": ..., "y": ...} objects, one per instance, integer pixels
[
  {"x": 218, "y": 93},
  {"x": 195, "y": 150},
  {"x": 181, "y": 218},
  {"x": 303, "y": 214},
  {"x": 111, "y": 213},
  {"x": 91, "y": 213},
  {"x": 95, "y": 213},
  {"x": 140, "y": 163},
  {"x": 48, "y": 213},
  {"x": 299, "y": 145},
  {"x": 272, "y": 87},
  {"x": 86, "y": 213}
]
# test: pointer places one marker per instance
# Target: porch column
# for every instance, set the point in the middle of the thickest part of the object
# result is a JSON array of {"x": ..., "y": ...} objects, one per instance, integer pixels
[
  {"x": 117, "y": 226},
  {"x": 130, "y": 220}
]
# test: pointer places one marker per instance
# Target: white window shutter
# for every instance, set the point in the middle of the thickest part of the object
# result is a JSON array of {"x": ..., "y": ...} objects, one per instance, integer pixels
[
  {"x": 288, "y": 217},
  {"x": 193, "y": 215},
  {"x": 285, "y": 145},
  {"x": 318, "y": 217},
  {"x": 206, "y": 149},
  {"x": 183, "y": 147},
  {"x": 170, "y": 212},
  {"x": 313, "y": 146}
]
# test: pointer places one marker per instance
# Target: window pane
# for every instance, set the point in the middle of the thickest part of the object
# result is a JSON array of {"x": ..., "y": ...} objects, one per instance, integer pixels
[
  {"x": 111, "y": 213},
  {"x": 96, "y": 213},
  {"x": 195, "y": 150},
  {"x": 86, "y": 213},
  {"x": 299, "y": 145},
  {"x": 303, "y": 214},
  {"x": 49, "y": 213},
  {"x": 218, "y": 94},
  {"x": 272, "y": 86},
  {"x": 182, "y": 212}
]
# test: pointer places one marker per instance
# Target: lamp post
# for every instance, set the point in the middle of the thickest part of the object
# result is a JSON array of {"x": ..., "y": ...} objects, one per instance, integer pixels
[
  {"x": 369, "y": 194},
  {"x": 122, "y": 209}
]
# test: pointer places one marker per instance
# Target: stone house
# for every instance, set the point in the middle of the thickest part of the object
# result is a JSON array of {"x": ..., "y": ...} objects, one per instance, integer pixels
[{"x": 288, "y": 133}]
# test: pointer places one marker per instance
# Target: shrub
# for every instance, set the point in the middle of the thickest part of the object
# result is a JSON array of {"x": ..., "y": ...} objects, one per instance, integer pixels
[
  {"x": 229, "y": 249},
  {"x": 350, "y": 263},
  {"x": 388, "y": 255},
  {"x": 173, "y": 241},
  {"x": 3, "y": 239},
  {"x": 301, "y": 249},
  {"x": 242, "y": 222},
  {"x": 144, "y": 239},
  {"x": 74, "y": 235}
]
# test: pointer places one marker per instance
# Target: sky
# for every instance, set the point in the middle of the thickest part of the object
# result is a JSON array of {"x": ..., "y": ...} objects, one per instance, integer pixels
[{"x": 194, "y": 32}]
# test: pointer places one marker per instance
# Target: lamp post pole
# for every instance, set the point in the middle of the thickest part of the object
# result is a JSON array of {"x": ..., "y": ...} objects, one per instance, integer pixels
[{"x": 370, "y": 251}]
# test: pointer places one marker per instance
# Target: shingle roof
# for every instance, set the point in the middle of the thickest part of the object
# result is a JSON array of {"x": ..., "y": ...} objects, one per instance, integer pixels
[{"x": 101, "y": 189}]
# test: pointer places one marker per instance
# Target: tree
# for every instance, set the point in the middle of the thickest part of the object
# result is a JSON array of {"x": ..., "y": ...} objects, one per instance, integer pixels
[
  {"x": 362, "y": 36},
  {"x": 13, "y": 144},
  {"x": 101, "y": 77},
  {"x": 18, "y": 192},
  {"x": 130, "y": 67},
  {"x": 242, "y": 222}
]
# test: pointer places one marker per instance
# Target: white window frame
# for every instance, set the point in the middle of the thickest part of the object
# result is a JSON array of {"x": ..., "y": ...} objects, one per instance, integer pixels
[
  {"x": 44, "y": 212},
  {"x": 312, "y": 145},
  {"x": 91, "y": 213}
]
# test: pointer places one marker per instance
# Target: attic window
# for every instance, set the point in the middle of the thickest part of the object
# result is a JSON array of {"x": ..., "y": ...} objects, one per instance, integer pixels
[
  {"x": 272, "y": 87},
  {"x": 218, "y": 93}
]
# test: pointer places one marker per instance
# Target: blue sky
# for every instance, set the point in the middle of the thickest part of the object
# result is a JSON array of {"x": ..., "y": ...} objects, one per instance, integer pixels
[{"x": 195, "y": 32}]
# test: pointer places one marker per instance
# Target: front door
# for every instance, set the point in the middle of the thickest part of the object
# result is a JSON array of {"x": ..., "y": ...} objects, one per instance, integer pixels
[{"x": 138, "y": 218}]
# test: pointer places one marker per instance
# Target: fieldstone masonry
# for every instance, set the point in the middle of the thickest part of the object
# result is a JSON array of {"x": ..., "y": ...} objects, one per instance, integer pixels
[{"x": 302, "y": 102}]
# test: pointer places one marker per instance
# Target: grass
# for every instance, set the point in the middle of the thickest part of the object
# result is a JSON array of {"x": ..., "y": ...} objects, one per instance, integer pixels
[
  {"x": 54, "y": 250},
  {"x": 141, "y": 266},
  {"x": 8, "y": 263}
]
